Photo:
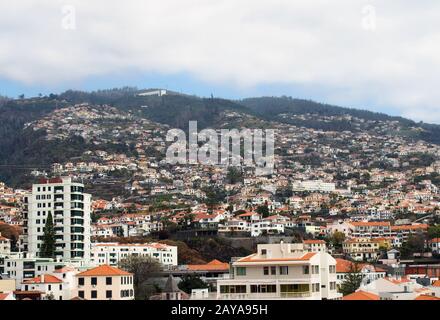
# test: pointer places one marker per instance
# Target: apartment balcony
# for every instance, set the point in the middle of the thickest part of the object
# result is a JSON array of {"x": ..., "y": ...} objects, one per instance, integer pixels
[{"x": 268, "y": 296}]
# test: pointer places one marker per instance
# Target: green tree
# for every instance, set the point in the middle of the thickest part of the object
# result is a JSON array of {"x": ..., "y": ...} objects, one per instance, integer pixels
[
  {"x": 263, "y": 210},
  {"x": 50, "y": 296},
  {"x": 234, "y": 176},
  {"x": 336, "y": 239},
  {"x": 434, "y": 232},
  {"x": 414, "y": 244},
  {"x": 143, "y": 268},
  {"x": 352, "y": 281},
  {"x": 47, "y": 249},
  {"x": 190, "y": 282}
]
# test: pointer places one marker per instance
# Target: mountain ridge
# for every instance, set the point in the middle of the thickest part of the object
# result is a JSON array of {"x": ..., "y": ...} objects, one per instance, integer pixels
[{"x": 22, "y": 146}]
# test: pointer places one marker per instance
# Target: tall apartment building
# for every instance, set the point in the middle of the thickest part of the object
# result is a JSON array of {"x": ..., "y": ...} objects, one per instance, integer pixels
[
  {"x": 281, "y": 271},
  {"x": 70, "y": 208}
]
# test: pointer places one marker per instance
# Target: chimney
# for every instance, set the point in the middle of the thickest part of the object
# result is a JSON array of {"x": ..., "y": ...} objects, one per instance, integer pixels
[{"x": 42, "y": 278}]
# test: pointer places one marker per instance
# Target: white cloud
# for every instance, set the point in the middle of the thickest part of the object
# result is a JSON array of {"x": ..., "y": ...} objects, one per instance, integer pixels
[{"x": 241, "y": 42}]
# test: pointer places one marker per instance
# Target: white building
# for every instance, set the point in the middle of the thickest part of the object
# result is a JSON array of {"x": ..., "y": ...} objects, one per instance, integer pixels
[
  {"x": 50, "y": 287},
  {"x": 266, "y": 227},
  {"x": 105, "y": 283},
  {"x": 20, "y": 268},
  {"x": 396, "y": 289},
  {"x": 70, "y": 209},
  {"x": 281, "y": 271},
  {"x": 112, "y": 253},
  {"x": 314, "y": 186},
  {"x": 5, "y": 245}
]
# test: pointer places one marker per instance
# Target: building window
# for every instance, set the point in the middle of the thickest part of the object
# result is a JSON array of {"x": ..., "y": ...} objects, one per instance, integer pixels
[
  {"x": 81, "y": 294},
  {"x": 241, "y": 271},
  {"x": 306, "y": 269},
  {"x": 94, "y": 294},
  {"x": 108, "y": 281},
  {"x": 284, "y": 270},
  {"x": 266, "y": 271},
  {"x": 315, "y": 287},
  {"x": 94, "y": 281},
  {"x": 80, "y": 281},
  {"x": 315, "y": 269},
  {"x": 108, "y": 294},
  {"x": 273, "y": 270}
]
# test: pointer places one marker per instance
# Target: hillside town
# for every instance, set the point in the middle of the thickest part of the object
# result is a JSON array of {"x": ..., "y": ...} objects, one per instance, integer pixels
[{"x": 351, "y": 215}]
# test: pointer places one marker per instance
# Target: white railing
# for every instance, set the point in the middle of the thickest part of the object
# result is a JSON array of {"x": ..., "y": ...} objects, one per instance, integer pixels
[{"x": 256, "y": 296}]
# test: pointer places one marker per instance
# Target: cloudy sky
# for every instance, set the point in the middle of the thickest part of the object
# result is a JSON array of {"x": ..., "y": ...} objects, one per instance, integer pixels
[{"x": 377, "y": 55}]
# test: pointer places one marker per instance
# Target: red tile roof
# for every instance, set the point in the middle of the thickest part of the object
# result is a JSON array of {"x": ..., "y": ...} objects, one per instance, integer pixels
[
  {"x": 395, "y": 281},
  {"x": 436, "y": 283},
  {"x": 104, "y": 270},
  {"x": 305, "y": 257},
  {"x": 370, "y": 224},
  {"x": 48, "y": 278},
  {"x": 211, "y": 266},
  {"x": 314, "y": 241},
  {"x": 3, "y": 296},
  {"x": 426, "y": 297},
  {"x": 409, "y": 227},
  {"x": 361, "y": 295}
]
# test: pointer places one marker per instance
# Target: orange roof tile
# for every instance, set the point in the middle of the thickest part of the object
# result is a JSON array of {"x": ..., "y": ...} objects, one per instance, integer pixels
[
  {"x": 64, "y": 269},
  {"x": 436, "y": 283},
  {"x": 370, "y": 224},
  {"x": 426, "y": 297},
  {"x": 213, "y": 265},
  {"x": 104, "y": 270},
  {"x": 361, "y": 295},
  {"x": 395, "y": 281},
  {"x": 3, "y": 296},
  {"x": 48, "y": 278},
  {"x": 314, "y": 241},
  {"x": 305, "y": 257},
  {"x": 410, "y": 227}
]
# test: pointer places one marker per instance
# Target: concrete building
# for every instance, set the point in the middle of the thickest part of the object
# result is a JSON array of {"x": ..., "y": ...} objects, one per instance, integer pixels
[
  {"x": 315, "y": 245},
  {"x": 362, "y": 249},
  {"x": 105, "y": 283},
  {"x": 318, "y": 186},
  {"x": 5, "y": 245},
  {"x": 50, "y": 287},
  {"x": 70, "y": 209},
  {"x": 112, "y": 253},
  {"x": 281, "y": 271}
]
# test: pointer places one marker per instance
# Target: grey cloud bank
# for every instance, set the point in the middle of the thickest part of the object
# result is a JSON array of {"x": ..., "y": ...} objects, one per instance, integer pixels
[{"x": 387, "y": 52}]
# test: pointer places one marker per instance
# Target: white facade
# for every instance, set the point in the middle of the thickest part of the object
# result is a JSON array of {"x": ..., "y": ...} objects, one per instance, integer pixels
[
  {"x": 50, "y": 286},
  {"x": 70, "y": 209},
  {"x": 317, "y": 185},
  {"x": 266, "y": 227},
  {"x": 281, "y": 271},
  {"x": 113, "y": 253},
  {"x": 5, "y": 245},
  {"x": 19, "y": 269}
]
